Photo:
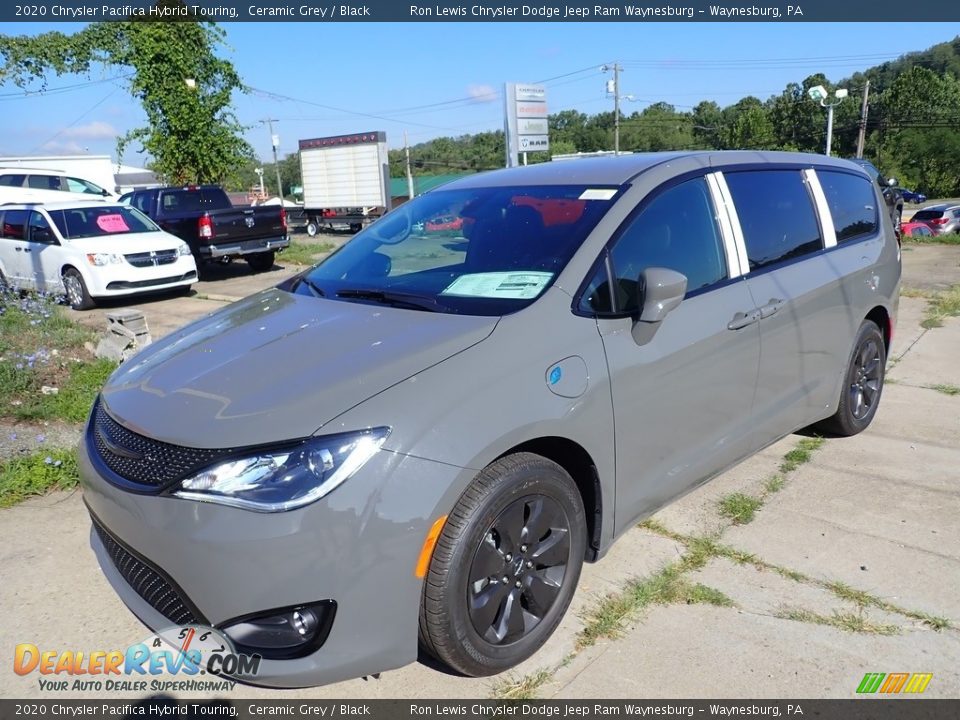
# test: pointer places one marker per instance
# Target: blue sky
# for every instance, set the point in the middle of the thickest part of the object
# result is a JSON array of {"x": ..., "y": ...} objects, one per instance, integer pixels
[{"x": 393, "y": 70}]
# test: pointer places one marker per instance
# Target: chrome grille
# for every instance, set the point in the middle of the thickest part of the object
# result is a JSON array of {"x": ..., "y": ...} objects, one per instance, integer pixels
[
  {"x": 142, "y": 460},
  {"x": 148, "y": 259},
  {"x": 149, "y": 583}
]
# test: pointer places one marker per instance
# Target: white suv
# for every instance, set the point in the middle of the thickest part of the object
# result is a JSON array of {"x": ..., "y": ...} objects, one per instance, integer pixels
[
  {"x": 89, "y": 250},
  {"x": 23, "y": 184}
]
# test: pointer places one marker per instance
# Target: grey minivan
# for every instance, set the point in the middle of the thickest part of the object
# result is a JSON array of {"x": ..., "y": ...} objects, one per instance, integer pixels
[{"x": 419, "y": 441}]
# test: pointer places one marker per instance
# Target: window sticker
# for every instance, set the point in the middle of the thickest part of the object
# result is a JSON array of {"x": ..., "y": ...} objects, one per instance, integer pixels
[
  {"x": 507, "y": 285},
  {"x": 112, "y": 223},
  {"x": 598, "y": 194}
]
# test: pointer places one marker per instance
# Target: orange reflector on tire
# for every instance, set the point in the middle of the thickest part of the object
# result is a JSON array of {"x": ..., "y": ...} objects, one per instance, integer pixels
[{"x": 426, "y": 552}]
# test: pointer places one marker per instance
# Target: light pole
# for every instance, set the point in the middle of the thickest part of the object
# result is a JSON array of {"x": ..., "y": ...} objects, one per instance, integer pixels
[
  {"x": 275, "y": 143},
  {"x": 613, "y": 88},
  {"x": 819, "y": 93},
  {"x": 263, "y": 192}
]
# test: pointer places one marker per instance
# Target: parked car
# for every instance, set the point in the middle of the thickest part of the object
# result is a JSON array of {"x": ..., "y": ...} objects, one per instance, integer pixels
[
  {"x": 912, "y": 197},
  {"x": 89, "y": 250},
  {"x": 915, "y": 229},
  {"x": 892, "y": 195},
  {"x": 204, "y": 217},
  {"x": 941, "y": 219},
  {"x": 453, "y": 433},
  {"x": 41, "y": 185},
  {"x": 444, "y": 223}
]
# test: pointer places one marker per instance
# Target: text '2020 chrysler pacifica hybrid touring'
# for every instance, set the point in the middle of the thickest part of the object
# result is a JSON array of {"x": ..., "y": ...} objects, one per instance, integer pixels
[{"x": 417, "y": 443}]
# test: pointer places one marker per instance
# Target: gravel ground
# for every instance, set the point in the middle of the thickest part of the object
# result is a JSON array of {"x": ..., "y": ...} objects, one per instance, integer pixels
[{"x": 24, "y": 438}]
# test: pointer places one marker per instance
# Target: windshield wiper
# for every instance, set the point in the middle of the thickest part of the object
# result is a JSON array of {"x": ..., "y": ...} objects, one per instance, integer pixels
[
  {"x": 389, "y": 297},
  {"x": 314, "y": 288}
]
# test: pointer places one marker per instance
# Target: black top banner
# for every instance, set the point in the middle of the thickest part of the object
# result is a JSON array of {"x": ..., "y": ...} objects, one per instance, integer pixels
[{"x": 852, "y": 11}]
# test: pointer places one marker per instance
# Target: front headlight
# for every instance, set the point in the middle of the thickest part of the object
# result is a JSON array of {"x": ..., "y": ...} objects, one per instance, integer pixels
[
  {"x": 100, "y": 259},
  {"x": 184, "y": 249},
  {"x": 275, "y": 481}
]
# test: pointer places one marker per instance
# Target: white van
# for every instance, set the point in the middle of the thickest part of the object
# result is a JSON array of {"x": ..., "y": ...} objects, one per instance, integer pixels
[
  {"x": 24, "y": 184},
  {"x": 89, "y": 250}
]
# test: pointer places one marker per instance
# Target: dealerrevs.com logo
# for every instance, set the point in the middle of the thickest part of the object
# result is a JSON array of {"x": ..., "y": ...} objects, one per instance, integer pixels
[{"x": 189, "y": 654}]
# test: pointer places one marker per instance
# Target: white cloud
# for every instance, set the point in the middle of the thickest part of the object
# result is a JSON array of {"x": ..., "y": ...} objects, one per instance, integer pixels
[
  {"x": 483, "y": 93},
  {"x": 65, "y": 148},
  {"x": 96, "y": 130}
]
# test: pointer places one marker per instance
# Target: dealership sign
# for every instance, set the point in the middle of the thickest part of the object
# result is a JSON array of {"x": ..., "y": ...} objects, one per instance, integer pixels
[{"x": 525, "y": 120}]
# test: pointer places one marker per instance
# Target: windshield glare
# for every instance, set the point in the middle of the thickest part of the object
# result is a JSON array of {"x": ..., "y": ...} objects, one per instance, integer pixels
[
  {"x": 101, "y": 221},
  {"x": 479, "y": 251}
]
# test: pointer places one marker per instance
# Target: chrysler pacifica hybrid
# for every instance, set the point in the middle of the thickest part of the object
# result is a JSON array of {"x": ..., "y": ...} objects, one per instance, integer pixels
[{"x": 418, "y": 442}]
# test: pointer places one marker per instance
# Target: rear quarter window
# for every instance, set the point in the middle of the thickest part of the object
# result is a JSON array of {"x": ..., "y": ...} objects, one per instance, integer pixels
[
  {"x": 928, "y": 215},
  {"x": 776, "y": 215},
  {"x": 852, "y": 203}
]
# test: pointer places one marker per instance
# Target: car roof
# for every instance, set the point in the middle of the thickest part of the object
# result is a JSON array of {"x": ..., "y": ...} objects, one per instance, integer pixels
[
  {"x": 939, "y": 207},
  {"x": 621, "y": 169},
  {"x": 60, "y": 205},
  {"x": 17, "y": 169}
]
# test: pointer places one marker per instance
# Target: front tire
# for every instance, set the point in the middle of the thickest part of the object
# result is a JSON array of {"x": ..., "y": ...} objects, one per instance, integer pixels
[
  {"x": 312, "y": 228},
  {"x": 76, "y": 290},
  {"x": 862, "y": 383},
  {"x": 505, "y": 566}
]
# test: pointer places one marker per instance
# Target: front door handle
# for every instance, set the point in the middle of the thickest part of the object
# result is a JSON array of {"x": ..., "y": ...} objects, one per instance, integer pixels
[
  {"x": 742, "y": 319},
  {"x": 18, "y": 249},
  {"x": 771, "y": 307},
  {"x": 27, "y": 249}
]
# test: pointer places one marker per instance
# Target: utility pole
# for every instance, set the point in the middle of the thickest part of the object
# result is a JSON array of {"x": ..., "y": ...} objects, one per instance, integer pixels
[
  {"x": 613, "y": 86},
  {"x": 861, "y": 137},
  {"x": 274, "y": 142},
  {"x": 406, "y": 150}
]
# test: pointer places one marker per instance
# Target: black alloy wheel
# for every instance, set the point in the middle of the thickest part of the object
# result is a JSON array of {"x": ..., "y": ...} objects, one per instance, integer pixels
[{"x": 518, "y": 569}]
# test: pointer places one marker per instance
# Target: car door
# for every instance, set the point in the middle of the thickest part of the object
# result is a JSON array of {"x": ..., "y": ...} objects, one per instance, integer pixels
[
  {"x": 45, "y": 253},
  {"x": 681, "y": 395},
  {"x": 16, "y": 251},
  {"x": 800, "y": 289}
]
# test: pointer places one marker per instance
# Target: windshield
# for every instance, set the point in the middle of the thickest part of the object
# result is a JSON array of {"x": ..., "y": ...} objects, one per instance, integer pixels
[
  {"x": 101, "y": 221},
  {"x": 480, "y": 251}
]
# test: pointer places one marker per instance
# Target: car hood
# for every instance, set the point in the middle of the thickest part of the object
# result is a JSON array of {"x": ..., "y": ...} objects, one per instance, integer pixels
[
  {"x": 277, "y": 366},
  {"x": 127, "y": 244}
]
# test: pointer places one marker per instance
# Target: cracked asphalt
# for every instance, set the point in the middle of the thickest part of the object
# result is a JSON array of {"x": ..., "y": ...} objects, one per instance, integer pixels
[{"x": 854, "y": 561}]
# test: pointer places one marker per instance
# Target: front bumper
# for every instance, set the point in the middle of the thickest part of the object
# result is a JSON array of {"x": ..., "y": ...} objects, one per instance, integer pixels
[
  {"x": 357, "y": 546},
  {"x": 125, "y": 279}
]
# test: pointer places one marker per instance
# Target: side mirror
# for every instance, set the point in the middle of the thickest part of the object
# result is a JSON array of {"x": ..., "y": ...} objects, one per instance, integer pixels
[
  {"x": 891, "y": 182},
  {"x": 105, "y": 193},
  {"x": 41, "y": 235},
  {"x": 660, "y": 290}
]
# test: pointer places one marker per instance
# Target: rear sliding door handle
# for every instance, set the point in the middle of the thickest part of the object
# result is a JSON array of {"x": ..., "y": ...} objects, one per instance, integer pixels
[
  {"x": 742, "y": 319},
  {"x": 771, "y": 307}
]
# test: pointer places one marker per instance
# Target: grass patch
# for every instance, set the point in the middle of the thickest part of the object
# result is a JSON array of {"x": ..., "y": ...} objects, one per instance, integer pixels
[
  {"x": 952, "y": 239},
  {"x": 942, "y": 305},
  {"x": 37, "y": 474},
  {"x": 40, "y": 346},
  {"x": 801, "y": 454},
  {"x": 667, "y": 587},
  {"x": 946, "y": 389},
  {"x": 914, "y": 293},
  {"x": 739, "y": 507},
  {"x": 524, "y": 688},
  {"x": 304, "y": 253},
  {"x": 774, "y": 484},
  {"x": 848, "y": 622}
]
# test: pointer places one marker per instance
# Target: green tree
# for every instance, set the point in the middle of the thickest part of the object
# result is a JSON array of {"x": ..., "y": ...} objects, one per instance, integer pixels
[{"x": 193, "y": 134}]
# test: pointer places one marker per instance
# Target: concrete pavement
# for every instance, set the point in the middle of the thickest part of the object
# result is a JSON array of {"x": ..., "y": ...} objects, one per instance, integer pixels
[{"x": 857, "y": 556}]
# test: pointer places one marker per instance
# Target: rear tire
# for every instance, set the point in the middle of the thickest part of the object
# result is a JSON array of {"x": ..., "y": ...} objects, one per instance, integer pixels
[
  {"x": 76, "y": 290},
  {"x": 262, "y": 261},
  {"x": 862, "y": 384},
  {"x": 312, "y": 229},
  {"x": 505, "y": 566}
]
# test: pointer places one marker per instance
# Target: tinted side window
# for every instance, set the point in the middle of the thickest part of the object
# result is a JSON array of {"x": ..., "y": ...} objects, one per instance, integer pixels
[
  {"x": 14, "y": 224},
  {"x": 676, "y": 230},
  {"x": 776, "y": 215},
  {"x": 40, "y": 229},
  {"x": 44, "y": 182},
  {"x": 12, "y": 180},
  {"x": 852, "y": 204}
]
